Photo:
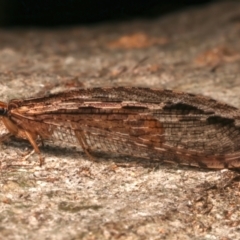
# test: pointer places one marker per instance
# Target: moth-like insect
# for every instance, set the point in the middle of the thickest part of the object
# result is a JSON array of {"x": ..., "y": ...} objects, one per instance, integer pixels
[{"x": 155, "y": 125}]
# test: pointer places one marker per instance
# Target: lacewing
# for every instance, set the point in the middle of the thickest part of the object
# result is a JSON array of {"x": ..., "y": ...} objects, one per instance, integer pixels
[{"x": 155, "y": 125}]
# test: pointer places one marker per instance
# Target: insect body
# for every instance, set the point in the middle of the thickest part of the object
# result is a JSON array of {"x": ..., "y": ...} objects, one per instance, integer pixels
[{"x": 156, "y": 125}]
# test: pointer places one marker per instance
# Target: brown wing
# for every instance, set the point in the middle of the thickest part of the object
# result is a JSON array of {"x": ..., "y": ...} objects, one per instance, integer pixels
[{"x": 172, "y": 130}]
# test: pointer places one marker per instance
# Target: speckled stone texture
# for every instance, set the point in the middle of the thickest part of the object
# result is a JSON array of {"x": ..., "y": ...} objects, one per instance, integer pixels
[{"x": 196, "y": 50}]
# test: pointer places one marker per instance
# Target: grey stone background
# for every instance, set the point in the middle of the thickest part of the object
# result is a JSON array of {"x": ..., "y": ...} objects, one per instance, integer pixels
[{"x": 195, "y": 50}]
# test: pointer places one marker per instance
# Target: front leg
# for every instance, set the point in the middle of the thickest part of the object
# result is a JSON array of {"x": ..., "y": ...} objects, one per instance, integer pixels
[
  {"x": 30, "y": 138},
  {"x": 19, "y": 132}
]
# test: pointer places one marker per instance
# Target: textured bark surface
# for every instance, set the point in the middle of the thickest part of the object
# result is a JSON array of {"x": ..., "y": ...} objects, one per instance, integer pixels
[{"x": 71, "y": 197}]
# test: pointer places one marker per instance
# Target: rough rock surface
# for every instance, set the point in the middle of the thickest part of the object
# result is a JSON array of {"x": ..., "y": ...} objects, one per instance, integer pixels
[{"x": 70, "y": 197}]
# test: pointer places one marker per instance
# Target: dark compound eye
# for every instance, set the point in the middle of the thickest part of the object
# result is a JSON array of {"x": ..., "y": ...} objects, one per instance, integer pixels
[{"x": 3, "y": 111}]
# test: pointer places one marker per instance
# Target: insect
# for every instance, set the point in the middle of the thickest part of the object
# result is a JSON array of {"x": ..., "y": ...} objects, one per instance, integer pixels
[{"x": 155, "y": 125}]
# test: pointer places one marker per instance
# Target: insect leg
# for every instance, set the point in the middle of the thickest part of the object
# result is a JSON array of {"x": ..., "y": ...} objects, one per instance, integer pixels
[
  {"x": 82, "y": 140},
  {"x": 5, "y": 137},
  {"x": 35, "y": 146}
]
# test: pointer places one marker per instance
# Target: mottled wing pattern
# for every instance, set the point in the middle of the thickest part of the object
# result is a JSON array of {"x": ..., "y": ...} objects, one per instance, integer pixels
[{"x": 158, "y": 125}]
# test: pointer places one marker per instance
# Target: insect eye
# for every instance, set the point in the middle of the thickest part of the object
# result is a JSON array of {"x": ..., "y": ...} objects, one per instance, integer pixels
[{"x": 3, "y": 111}]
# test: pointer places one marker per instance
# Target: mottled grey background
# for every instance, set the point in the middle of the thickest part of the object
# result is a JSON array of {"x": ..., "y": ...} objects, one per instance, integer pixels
[{"x": 195, "y": 50}]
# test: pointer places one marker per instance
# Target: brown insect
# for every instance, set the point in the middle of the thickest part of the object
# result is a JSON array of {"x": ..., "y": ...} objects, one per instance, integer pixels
[{"x": 156, "y": 125}]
